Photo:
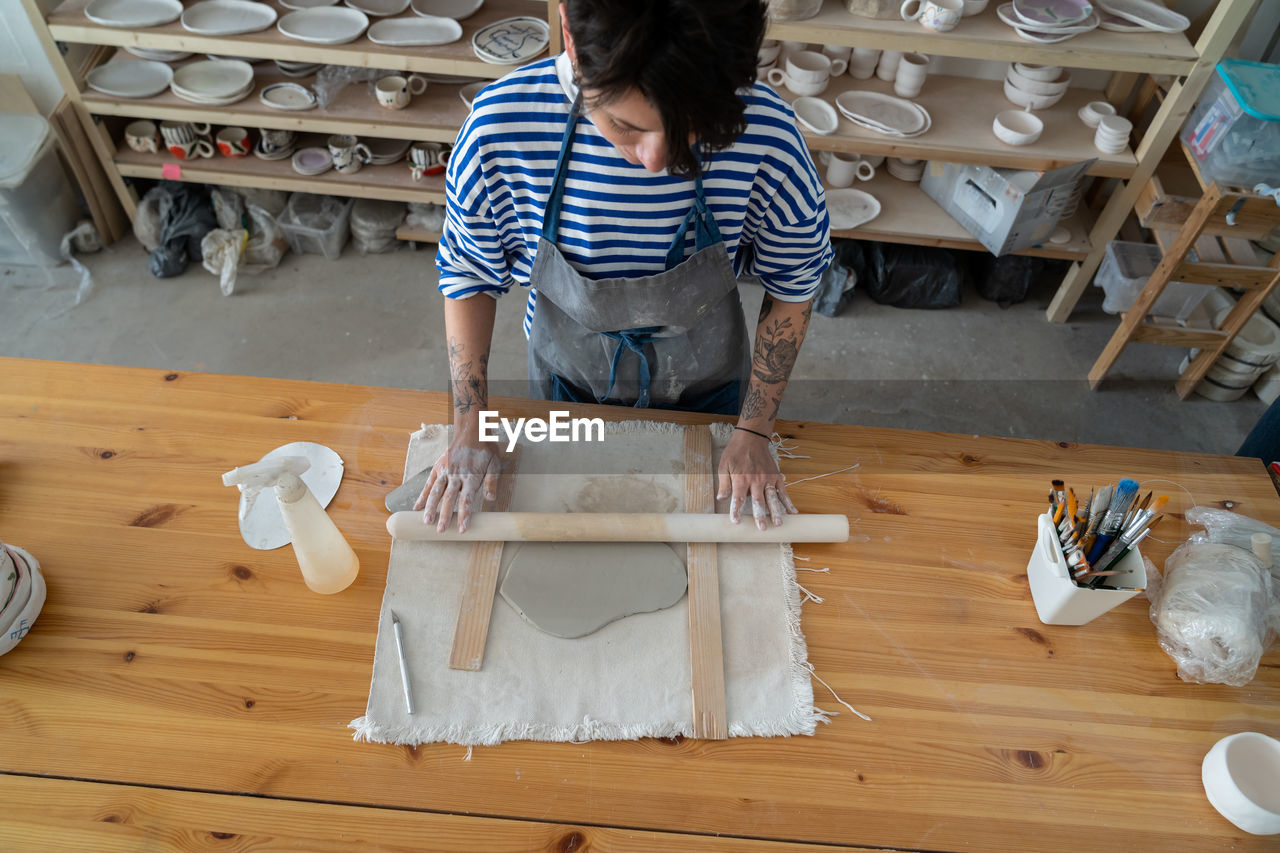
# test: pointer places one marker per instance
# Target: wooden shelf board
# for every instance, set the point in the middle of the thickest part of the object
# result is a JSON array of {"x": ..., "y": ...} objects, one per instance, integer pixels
[
  {"x": 434, "y": 115},
  {"x": 68, "y": 23},
  {"x": 392, "y": 182},
  {"x": 907, "y": 215},
  {"x": 985, "y": 36},
  {"x": 962, "y": 110},
  {"x": 418, "y": 234}
]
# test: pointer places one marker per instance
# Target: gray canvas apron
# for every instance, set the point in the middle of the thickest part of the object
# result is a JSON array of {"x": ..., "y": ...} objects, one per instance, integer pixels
[{"x": 676, "y": 339}]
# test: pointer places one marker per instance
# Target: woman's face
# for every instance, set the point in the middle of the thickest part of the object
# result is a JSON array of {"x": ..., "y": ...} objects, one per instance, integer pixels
[{"x": 634, "y": 127}]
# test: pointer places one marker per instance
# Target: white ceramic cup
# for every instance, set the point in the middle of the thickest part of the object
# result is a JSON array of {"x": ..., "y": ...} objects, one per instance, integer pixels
[
  {"x": 973, "y": 7},
  {"x": 233, "y": 141},
  {"x": 142, "y": 136},
  {"x": 809, "y": 66},
  {"x": 863, "y": 61},
  {"x": 887, "y": 68},
  {"x": 769, "y": 50},
  {"x": 274, "y": 141},
  {"x": 1241, "y": 777},
  {"x": 186, "y": 140},
  {"x": 349, "y": 154},
  {"x": 395, "y": 92},
  {"x": 804, "y": 88},
  {"x": 1095, "y": 111},
  {"x": 844, "y": 168},
  {"x": 428, "y": 158},
  {"x": 837, "y": 51},
  {"x": 1017, "y": 127},
  {"x": 938, "y": 15},
  {"x": 912, "y": 70}
]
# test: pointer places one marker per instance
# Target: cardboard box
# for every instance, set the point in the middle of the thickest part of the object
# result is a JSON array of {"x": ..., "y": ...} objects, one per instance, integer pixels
[{"x": 1005, "y": 209}]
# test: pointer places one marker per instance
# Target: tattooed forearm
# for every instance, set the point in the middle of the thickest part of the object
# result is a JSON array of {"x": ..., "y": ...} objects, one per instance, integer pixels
[
  {"x": 780, "y": 332},
  {"x": 757, "y": 405},
  {"x": 468, "y": 378}
]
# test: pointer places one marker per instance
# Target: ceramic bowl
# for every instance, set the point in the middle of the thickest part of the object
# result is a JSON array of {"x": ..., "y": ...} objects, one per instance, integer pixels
[
  {"x": 1240, "y": 776},
  {"x": 14, "y": 625},
  {"x": 808, "y": 66},
  {"x": 816, "y": 115},
  {"x": 20, "y": 593},
  {"x": 1055, "y": 86},
  {"x": 1027, "y": 99},
  {"x": 1038, "y": 72},
  {"x": 1015, "y": 127},
  {"x": 973, "y": 7},
  {"x": 1094, "y": 112}
]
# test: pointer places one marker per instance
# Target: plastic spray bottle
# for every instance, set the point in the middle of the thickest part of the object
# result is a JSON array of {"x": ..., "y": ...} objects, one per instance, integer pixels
[{"x": 328, "y": 564}]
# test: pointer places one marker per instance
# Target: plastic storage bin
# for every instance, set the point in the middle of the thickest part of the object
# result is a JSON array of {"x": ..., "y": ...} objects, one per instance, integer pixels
[
  {"x": 37, "y": 204},
  {"x": 1234, "y": 131},
  {"x": 1124, "y": 272},
  {"x": 317, "y": 224}
]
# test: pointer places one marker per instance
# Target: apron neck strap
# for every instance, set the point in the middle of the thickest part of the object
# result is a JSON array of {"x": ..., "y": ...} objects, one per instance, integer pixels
[{"x": 551, "y": 216}]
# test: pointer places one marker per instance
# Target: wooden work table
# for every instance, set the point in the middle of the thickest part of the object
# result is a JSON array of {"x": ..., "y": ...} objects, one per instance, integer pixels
[{"x": 175, "y": 670}]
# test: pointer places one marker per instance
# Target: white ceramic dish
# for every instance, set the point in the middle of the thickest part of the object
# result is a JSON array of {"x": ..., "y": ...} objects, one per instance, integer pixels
[
  {"x": 378, "y": 8},
  {"x": 1148, "y": 15},
  {"x": 1027, "y": 99},
  {"x": 849, "y": 208},
  {"x": 312, "y": 161},
  {"x": 1015, "y": 127},
  {"x": 226, "y": 100},
  {"x": 1241, "y": 778},
  {"x": 512, "y": 40},
  {"x": 130, "y": 79},
  {"x": 158, "y": 54},
  {"x": 8, "y": 578},
  {"x": 1094, "y": 112},
  {"x": 1050, "y": 13},
  {"x": 456, "y": 9},
  {"x": 299, "y": 69},
  {"x": 282, "y": 154},
  {"x": 884, "y": 113},
  {"x": 1006, "y": 13},
  {"x": 468, "y": 92},
  {"x": 324, "y": 25},
  {"x": 227, "y": 17},
  {"x": 1045, "y": 73},
  {"x": 212, "y": 79},
  {"x": 133, "y": 14},
  {"x": 816, "y": 115},
  {"x": 1039, "y": 87},
  {"x": 1116, "y": 24},
  {"x": 288, "y": 96},
  {"x": 415, "y": 31},
  {"x": 1041, "y": 38},
  {"x": 383, "y": 152},
  {"x": 308, "y": 4},
  {"x": 20, "y": 593},
  {"x": 17, "y": 627}
]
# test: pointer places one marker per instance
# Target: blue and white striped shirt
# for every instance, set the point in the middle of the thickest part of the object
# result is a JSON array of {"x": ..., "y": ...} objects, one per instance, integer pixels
[{"x": 618, "y": 219}]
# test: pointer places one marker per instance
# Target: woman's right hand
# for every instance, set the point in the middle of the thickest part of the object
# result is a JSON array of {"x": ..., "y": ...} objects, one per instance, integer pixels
[{"x": 466, "y": 471}]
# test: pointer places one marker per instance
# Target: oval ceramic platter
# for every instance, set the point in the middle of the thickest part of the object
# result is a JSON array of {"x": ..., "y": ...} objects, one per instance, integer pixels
[
  {"x": 456, "y": 9},
  {"x": 850, "y": 208},
  {"x": 512, "y": 40},
  {"x": 213, "y": 78},
  {"x": 378, "y": 8},
  {"x": 405, "y": 32},
  {"x": 884, "y": 113},
  {"x": 227, "y": 17},
  {"x": 288, "y": 96},
  {"x": 307, "y": 4},
  {"x": 1151, "y": 16},
  {"x": 1051, "y": 13},
  {"x": 157, "y": 54},
  {"x": 130, "y": 79},
  {"x": 1006, "y": 13},
  {"x": 324, "y": 25},
  {"x": 312, "y": 161},
  {"x": 816, "y": 115},
  {"x": 133, "y": 14}
]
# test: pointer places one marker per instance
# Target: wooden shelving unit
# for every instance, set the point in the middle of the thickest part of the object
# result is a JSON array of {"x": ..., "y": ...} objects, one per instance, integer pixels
[{"x": 961, "y": 108}]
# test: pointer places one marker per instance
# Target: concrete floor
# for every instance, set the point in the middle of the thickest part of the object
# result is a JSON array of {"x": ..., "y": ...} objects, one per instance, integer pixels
[{"x": 376, "y": 320}]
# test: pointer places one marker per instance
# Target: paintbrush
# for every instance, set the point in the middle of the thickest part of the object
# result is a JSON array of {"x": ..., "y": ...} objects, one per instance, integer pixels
[
  {"x": 1132, "y": 535},
  {"x": 1072, "y": 505},
  {"x": 1086, "y": 508},
  {"x": 1093, "y": 584},
  {"x": 1112, "y": 522},
  {"x": 1097, "y": 509}
]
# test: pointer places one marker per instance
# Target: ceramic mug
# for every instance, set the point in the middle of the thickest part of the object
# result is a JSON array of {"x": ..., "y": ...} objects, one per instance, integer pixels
[
  {"x": 887, "y": 68},
  {"x": 428, "y": 158},
  {"x": 937, "y": 15},
  {"x": 142, "y": 136},
  {"x": 395, "y": 92},
  {"x": 186, "y": 140},
  {"x": 912, "y": 70},
  {"x": 348, "y": 153},
  {"x": 804, "y": 88},
  {"x": 233, "y": 141},
  {"x": 843, "y": 168},
  {"x": 863, "y": 61},
  {"x": 275, "y": 141}
]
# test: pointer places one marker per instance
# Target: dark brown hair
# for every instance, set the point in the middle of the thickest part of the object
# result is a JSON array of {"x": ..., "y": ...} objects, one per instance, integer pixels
[{"x": 689, "y": 58}]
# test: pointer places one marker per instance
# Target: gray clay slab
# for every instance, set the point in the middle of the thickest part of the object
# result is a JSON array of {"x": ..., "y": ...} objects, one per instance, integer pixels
[{"x": 572, "y": 589}]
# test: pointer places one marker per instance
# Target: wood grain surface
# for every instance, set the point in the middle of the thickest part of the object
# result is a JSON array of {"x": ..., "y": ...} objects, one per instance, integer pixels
[
  {"x": 169, "y": 654},
  {"x": 706, "y": 649}
]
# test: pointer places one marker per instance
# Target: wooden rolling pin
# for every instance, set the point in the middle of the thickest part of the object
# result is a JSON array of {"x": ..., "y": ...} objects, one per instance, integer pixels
[{"x": 621, "y": 527}]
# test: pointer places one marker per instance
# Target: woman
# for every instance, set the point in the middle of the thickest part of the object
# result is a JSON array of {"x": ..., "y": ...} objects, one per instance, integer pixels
[{"x": 628, "y": 182}]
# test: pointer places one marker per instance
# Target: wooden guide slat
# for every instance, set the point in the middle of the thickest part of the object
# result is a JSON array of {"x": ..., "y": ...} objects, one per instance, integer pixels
[
  {"x": 1151, "y": 333},
  {"x": 706, "y": 650},
  {"x": 1222, "y": 275},
  {"x": 472, "y": 631}
]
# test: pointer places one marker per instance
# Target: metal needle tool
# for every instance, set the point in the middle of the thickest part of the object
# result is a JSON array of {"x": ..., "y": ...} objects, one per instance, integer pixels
[{"x": 404, "y": 666}]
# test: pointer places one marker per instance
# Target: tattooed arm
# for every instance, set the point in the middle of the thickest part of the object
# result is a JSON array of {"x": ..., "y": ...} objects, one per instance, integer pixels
[
  {"x": 466, "y": 465},
  {"x": 747, "y": 468}
]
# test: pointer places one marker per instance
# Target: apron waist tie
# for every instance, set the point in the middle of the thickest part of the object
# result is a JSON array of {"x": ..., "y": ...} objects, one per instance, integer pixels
[{"x": 635, "y": 340}]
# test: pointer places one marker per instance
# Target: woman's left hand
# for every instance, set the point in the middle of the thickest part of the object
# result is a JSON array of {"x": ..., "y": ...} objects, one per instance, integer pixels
[{"x": 747, "y": 470}]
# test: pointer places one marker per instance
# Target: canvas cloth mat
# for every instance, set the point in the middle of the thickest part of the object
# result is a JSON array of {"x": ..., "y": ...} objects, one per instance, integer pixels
[{"x": 630, "y": 679}]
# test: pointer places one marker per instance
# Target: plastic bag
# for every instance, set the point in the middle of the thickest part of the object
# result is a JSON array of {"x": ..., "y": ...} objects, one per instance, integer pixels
[
  {"x": 1214, "y": 613},
  {"x": 426, "y": 215},
  {"x": 178, "y": 217},
  {"x": 913, "y": 276},
  {"x": 1230, "y": 528},
  {"x": 267, "y": 242},
  {"x": 1006, "y": 280},
  {"x": 332, "y": 79},
  {"x": 221, "y": 250},
  {"x": 835, "y": 288},
  {"x": 374, "y": 225}
]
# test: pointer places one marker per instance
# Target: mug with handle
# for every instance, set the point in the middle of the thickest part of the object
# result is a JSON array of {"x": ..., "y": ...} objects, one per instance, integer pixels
[
  {"x": 142, "y": 136},
  {"x": 428, "y": 158},
  {"x": 844, "y": 168},
  {"x": 937, "y": 15},
  {"x": 349, "y": 154},
  {"x": 395, "y": 92},
  {"x": 186, "y": 140}
]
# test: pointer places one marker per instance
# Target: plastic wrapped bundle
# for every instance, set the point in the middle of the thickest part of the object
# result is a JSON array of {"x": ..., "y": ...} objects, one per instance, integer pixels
[
  {"x": 1215, "y": 613},
  {"x": 793, "y": 10},
  {"x": 374, "y": 224}
]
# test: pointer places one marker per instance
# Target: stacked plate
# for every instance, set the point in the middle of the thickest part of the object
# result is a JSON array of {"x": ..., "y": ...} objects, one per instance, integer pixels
[
  {"x": 1049, "y": 21},
  {"x": 298, "y": 69},
  {"x": 884, "y": 114},
  {"x": 158, "y": 54},
  {"x": 1035, "y": 87},
  {"x": 324, "y": 25},
  {"x": 288, "y": 96},
  {"x": 129, "y": 79},
  {"x": 456, "y": 9},
  {"x": 1129, "y": 16},
  {"x": 213, "y": 82},
  {"x": 22, "y": 594},
  {"x": 905, "y": 169},
  {"x": 312, "y": 161},
  {"x": 384, "y": 152}
]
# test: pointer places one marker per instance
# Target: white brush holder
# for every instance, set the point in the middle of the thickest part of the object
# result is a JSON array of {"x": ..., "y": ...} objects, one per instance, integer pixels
[{"x": 1058, "y": 600}]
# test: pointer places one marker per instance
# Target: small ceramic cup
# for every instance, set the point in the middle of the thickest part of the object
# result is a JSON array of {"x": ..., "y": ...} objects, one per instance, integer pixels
[
  {"x": 1240, "y": 775},
  {"x": 395, "y": 92},
  {"x": 837, "y": 51},
  {"x": 862, "y": 62},
  {"x": 804, "y": 88},
  {"x": 349, "y": 154},
  {"x": 769, "y": 50},
  {"x": 186, "y": 140},
  {"x": 973, "y": 7},
  {"x": 142, "y": 136},
  {"x": 233, "y": 141},
  {"x": 786, "y": 48},
  {"x": 1095, "y": 111},
  {"x": 844, "y": 168},
  {"x": 428, "y": 158},
  {"x": 912, "y": 70},
  {"x": 1017, "y": 127},
  {"x": 275, "y": 141},
  {"x": 887, "y": 68},
  {"x": 938, "y": 15}
]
